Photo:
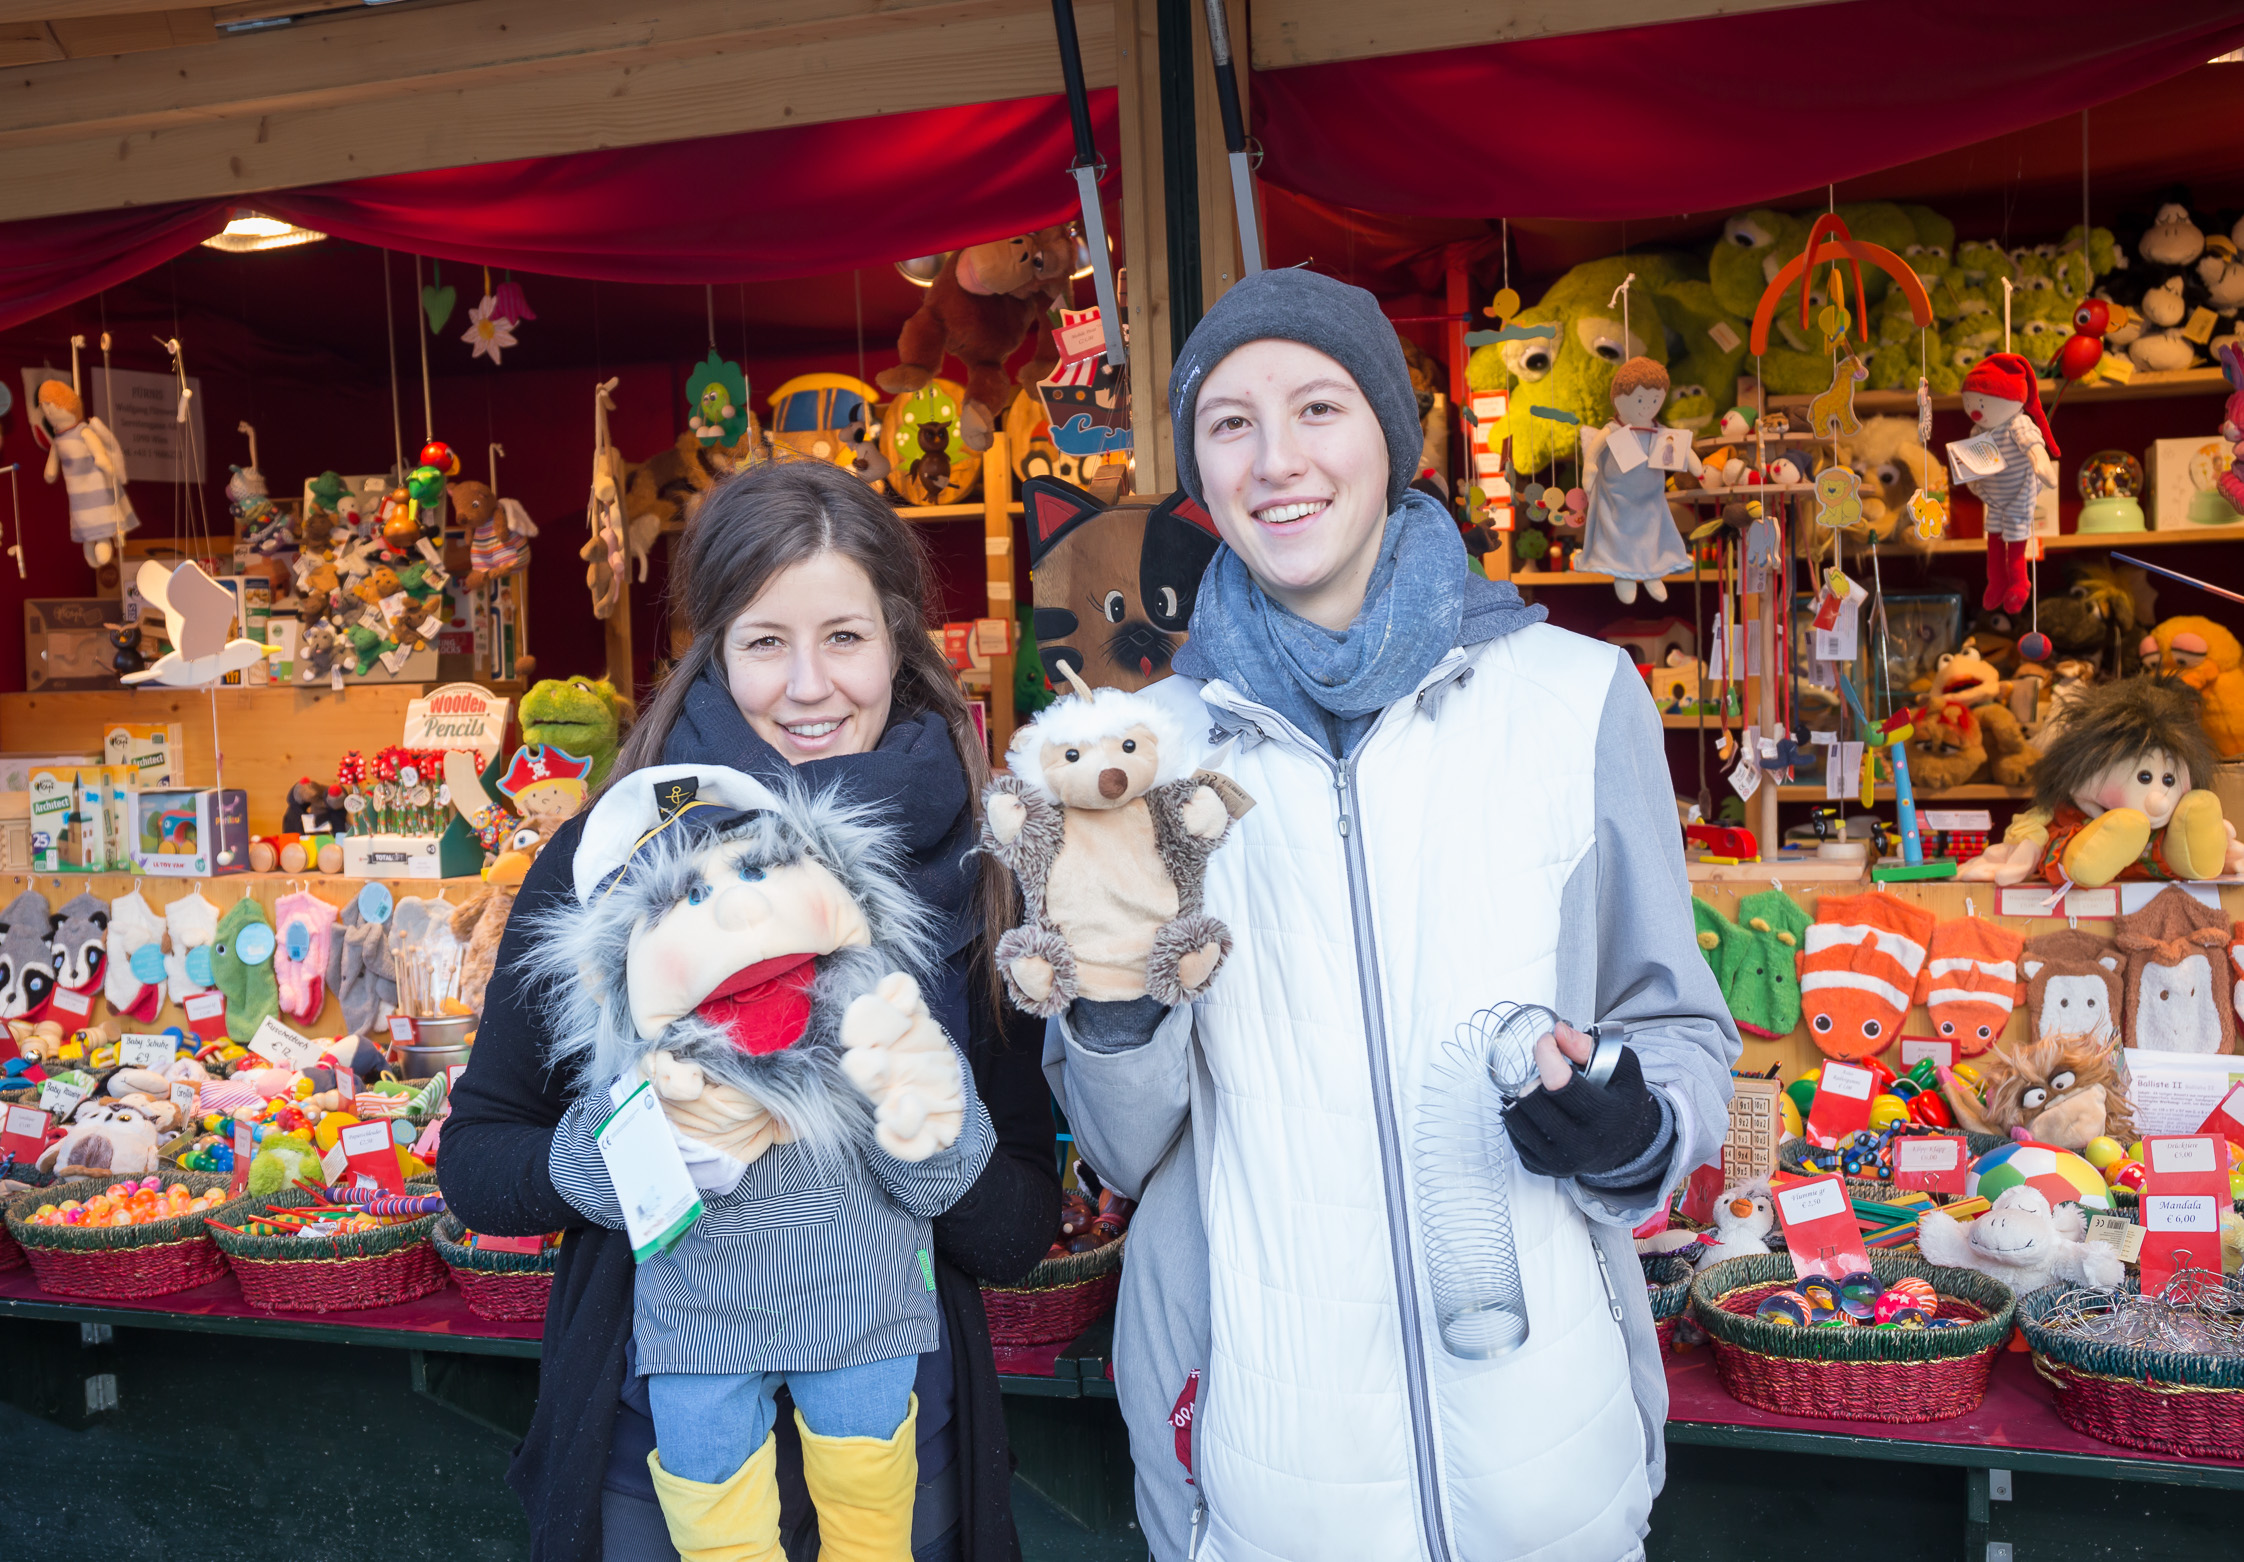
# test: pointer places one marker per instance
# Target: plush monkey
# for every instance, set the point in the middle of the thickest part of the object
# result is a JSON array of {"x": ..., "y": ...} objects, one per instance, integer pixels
[
  {"x": 2073, "y": 986},
  {"x": 2180, "y": 979},
  {"x": 1109, "y": 837},
  {"x": 979, "y": 307}
]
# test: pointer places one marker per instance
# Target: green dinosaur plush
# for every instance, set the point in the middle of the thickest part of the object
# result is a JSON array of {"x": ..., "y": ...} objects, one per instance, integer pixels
[
  {"x": 579, "y": 716},
  {"x": 1572, "y": 371},
  {"x": 281, "y": 1162},
  {"x": 1755, "y": 959},
  {"x": 1734, "y": 265},
  {"x": 1983, "y": 263},
  {"x": 251, "y": 991},
  {"x": 367, "y": 646},
  {"x": 1931, "y": 249},
  {"x": 1698, "y": 325}
]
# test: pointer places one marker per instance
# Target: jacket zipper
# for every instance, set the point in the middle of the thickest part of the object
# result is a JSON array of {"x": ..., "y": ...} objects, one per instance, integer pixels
[{"x": 1383, "y": 1117}]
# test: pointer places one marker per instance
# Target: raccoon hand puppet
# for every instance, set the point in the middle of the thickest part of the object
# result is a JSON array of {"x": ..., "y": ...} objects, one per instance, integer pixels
[{"x": 769, "y": 956}]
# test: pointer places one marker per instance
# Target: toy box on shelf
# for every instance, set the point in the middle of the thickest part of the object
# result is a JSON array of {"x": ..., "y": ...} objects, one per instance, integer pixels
[
  {"x": 401, "y": 823},
  {"x": 190, "y": 832}
]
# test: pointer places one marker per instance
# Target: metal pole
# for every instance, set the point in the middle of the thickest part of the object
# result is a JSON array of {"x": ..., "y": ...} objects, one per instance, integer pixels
[
  {"x": 1234, "y": 139},
  {"x": 1086, "y": 168}
]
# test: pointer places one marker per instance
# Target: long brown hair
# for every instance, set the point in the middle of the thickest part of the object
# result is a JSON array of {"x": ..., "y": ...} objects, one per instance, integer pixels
[{"x": 768, "y": 519}]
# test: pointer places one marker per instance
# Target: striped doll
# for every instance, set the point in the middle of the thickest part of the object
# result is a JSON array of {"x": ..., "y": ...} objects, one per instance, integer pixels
[
  {"x": 2002, "y": 398},
  {"x": 86, "y": 459}
]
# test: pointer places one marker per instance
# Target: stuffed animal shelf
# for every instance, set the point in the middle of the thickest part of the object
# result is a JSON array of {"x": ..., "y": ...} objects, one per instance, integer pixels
[
  {"x": 1109, "y": 836},
  {"x": 2118, "y": 796},
  {"x": 1630, "y": 533}
]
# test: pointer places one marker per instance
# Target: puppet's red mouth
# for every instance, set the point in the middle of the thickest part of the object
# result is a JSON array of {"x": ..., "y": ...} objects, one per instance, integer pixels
[{"x": 763, "y": 1007}]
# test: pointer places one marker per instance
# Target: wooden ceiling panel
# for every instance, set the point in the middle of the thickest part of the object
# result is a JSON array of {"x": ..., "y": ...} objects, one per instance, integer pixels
[
  {"x": 140, "y": 33},
  {"x": 1315, "y": 32},
  {"x": 27, "y": 43}
]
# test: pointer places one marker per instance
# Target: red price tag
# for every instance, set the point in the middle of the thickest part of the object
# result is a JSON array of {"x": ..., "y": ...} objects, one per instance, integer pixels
[
  {"x": 1700, "y": 1193},
  {"x": 1820, "y": 1230},
  {"x": 370, "y": 1157},
  {"x": 2185, "y": 1188},
  {"x": 206, "y": 1014},
  {"x": 1935, "y": 1163},
  {"x": 245, "y": 1148},
  {"x": 1842, "y": 1103},
  {"x": 1915, "y": 1049},
  {"x": 67, "y": 1004},
  {"x": 2227, "y": 1116},
  {"x": 401, "y": 1029},
  {"x": 23, "y": 1133},
  {"x": 531, "y": 1245}
]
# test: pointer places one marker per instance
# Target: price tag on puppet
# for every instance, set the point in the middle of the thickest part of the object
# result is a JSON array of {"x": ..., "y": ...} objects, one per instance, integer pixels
[
  {"x": 141, "y": 1050},
  {"x": 284, "y": 1048},
  {"x": 1971, "y": 459},
  {"x": 370, "y": 1157},
  {"x": 2227, "y": 1117},
  {"x": 1916, "y": 1049},
  {"x": 23, "y": 1133},
  {"x": 2185, "y": 1188},
  {"x": 660, "y": 1202},
  {"x": 1842, "y": 1103},
  {"x": 245, "y": 1150},
  {"x": 1820, "y": 1230},
  {"x": 1935, "y": 1163},
  {"x": 73, "y": 1009},
  {"x": 61, "y": 1096},
  {"x": 206, "y": 1014},
  {"x": 1671, "y": 449}
]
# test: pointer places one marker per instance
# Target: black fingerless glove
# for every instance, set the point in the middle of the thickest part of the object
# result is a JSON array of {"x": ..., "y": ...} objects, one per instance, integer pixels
[{"x": 1584, "y": 1129}]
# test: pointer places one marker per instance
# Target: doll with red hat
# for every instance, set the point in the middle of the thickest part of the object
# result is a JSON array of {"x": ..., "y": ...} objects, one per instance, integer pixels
[{"x": 2009, "y": 459}]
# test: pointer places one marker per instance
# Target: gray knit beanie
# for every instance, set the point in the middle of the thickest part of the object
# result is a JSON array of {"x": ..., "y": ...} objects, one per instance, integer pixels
[{"x": 1342, "y": 322}]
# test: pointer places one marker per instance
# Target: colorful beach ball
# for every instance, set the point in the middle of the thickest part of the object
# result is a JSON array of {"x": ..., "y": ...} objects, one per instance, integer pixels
[{"x": 2060, "y": 1175}]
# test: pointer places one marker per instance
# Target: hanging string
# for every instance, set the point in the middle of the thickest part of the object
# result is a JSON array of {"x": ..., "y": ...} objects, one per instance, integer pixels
[
  {"x": 2084, "y": 184},
  {"x": 709, "y": 299},
  {"x": 428, "y": 399},
  {"x": 389, "y": 339},
  {"x": 15, "y": 511},
  {"x": 1504, "y": 248}
]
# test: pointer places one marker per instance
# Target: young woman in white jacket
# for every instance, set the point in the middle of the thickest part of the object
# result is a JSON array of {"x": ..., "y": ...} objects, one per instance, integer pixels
[{"x": 1459, "y": 805}]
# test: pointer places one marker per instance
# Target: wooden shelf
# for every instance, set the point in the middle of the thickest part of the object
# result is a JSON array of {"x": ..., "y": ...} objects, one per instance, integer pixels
[
  {"x": 2145, "y": 386},
  {"x": 1575, "y": 577},
  {"x": 1977, "y": 792},
  {"x": 2072, "y": 540},
  {"x": 949, "y": 512},
  {"x": 1689, "y": 723}
]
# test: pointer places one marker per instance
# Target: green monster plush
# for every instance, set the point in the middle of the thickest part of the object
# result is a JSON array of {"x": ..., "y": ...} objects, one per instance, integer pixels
[
  {"x": 1754, "y": 959},
  {"x": 1689, "y": 405},
  {"x": 1930, "y": 252},
  {"x": 1882, "y": 223},
  {"x": 1571, "y": 372},
  {"x": 282, "y": 1162},
  {"x": 2039, "y": 323},
  {"x": 580, "y": 716},
  {"x": 1983, "y": 263},
  {"x": 1698, "y": 325},
  {"x": 242, "y": 968},
  {"x": 1896, "y": 365},
  {"x": 1734, "y": 265},
  {"x": 2102, "y": 257}
]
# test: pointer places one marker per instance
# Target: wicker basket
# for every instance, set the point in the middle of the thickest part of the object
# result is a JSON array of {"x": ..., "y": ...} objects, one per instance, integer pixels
[
  {"x": 508, "y": 1287},
  {"x": 1667, "y": 1286},
  {"x": 1792, "y": 1154},
  {"x": 1853, "y": 1374},
  {"x": 119, "y": 1262},
  {"x": 2161, "y": 1401},
  {"x": 332, "y": 1274},
  {"x": 1061, "y": 1298}
]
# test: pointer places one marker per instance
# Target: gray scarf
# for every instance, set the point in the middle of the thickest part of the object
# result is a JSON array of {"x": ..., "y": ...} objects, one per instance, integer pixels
[{"x": 1422, "y": 600}]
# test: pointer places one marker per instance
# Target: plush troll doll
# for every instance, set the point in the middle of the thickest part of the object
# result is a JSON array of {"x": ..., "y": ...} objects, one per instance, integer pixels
[{"x": 755, "y": 955}]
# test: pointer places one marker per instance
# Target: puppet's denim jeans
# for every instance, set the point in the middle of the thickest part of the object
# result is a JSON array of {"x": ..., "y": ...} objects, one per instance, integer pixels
[{"x": 708, "y": 1424}]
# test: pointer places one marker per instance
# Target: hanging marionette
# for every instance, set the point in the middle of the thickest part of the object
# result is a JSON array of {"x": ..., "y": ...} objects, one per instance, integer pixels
[
  {"x": 90, "y": 464},
  {"x": 2009, "y": 459}
]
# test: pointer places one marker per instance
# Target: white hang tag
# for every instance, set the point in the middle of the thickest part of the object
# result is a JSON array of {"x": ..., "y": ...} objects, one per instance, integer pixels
[
  {"x": 1974, "y": 458},
  {"x": 660, "y": 1202},
  {"x": 1627, "y": 449},
  {"x": 141, "y": 1050},
  {"x": 1843, "y": 639},
  {"x": 1718, "y": 659},
  {"x": 1671, "y": 449},
  {"x": 1745, "y": 776}
]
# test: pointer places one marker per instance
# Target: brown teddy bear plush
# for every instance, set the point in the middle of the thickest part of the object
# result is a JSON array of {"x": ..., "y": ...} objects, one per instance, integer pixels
[
  {"x": 1109, "y": 835},
  {"x": 984, "y": 301}
]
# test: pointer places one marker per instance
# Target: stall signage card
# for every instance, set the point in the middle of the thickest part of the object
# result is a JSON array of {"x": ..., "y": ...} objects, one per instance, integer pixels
[
  {"x": 660, "y": 1201},
  {"x": 206, "y": 1014},
  {"x": 1915, "y": 1049},
  {"x": 285, "y": 1048},
  {"x": 2185, "y": 1188},
  {"x": 185, "y": 1095},
  {"x": 2227, "y": 1117},
  {"x": 23, "y": 1133},
  {"x": 141, "y": 1050},
  {"x": 1842, "y": 1103},
  {"x": 1820, "y": 1230},
  {"x": 1935, "y": 1163},
  {"x": 67, "y": 1004},
  {"x": 61, "y": 1096},
  {"x": 245, "y": 1149},
  {"x": 370, "y": 1157}
]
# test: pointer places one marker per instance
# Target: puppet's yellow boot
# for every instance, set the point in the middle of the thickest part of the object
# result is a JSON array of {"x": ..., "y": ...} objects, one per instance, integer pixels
[
  {"x": 733, "y": 1520},
  {"x": 863, "y": 1487},
  {"x": 2106, "y": 846},
  {"x": 2196, "y": 837}
]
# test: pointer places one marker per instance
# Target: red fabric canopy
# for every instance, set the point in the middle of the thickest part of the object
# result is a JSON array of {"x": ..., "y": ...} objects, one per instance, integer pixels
[
  {"x": 1711, "y": 114},
  {"x": 796, "y": 201}
]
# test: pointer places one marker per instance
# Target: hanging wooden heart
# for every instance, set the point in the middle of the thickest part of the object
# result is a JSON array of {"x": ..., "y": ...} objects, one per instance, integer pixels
[{"x": 437, "y": 303}]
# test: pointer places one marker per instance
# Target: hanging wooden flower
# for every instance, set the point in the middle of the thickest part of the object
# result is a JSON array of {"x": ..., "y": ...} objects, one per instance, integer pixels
[
  {"x": 488, "y": 331},
  {"x": 511, "y": 305}
]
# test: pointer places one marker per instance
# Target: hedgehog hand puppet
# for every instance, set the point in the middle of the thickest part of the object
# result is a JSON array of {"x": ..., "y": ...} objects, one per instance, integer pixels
[
  {"x": 1108, "y": 832},
  {"x": 770, "y": 956}
]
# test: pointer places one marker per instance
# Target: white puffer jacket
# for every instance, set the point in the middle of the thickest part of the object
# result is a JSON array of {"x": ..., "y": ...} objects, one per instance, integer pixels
[{"x": 1467, "y": 853}]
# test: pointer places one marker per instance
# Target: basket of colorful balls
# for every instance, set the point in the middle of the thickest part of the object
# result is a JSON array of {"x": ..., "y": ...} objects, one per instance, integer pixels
[
  {"x": 141, "y": 1237},
  {"x": 1900, "y": 1341},
  {"x": 333, "y": 1249},
  {"x": 503, "y": 1278}
]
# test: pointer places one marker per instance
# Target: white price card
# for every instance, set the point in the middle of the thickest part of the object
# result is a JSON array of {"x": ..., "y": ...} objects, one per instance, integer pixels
[
  {"x": 1812, "y": 1201},
  {"x": 141, "y": 1050},
  {"x": 1844, "y": 1079},
  {"x": 69, "y": 1001},
  {"x": 1926, "y": 1155},
  {"x": 277, "y": 1044},
  {"x": 2180, "y": 1212},
  {"x": 61, "y": 1096},
  {"x": 2181, "y": 1155},
  {"x": 660, "y": 1202}
]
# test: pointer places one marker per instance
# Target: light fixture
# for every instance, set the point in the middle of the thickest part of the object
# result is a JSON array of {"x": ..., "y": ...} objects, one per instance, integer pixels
[
  {"x": 922, "y": 270},
  {"x": 251, "y": 231}
]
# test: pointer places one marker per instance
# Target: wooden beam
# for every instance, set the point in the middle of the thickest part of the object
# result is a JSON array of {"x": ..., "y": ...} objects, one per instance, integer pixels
[
  {"x": 997, "y": 548},
  {"x": 1145, "y": 242},
  {"x": 141, "y": 33},
  {"x": 452, "y": 85},
  {"x": 1316, "y": 32},
  {"x": 238, "y": 11},
  {"x": 27, "y": 43},
  {"x": 1219, "y": 216}
]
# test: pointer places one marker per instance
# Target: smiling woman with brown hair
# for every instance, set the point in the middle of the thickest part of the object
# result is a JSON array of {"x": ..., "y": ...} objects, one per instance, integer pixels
[{"x": 807, "y": 600}]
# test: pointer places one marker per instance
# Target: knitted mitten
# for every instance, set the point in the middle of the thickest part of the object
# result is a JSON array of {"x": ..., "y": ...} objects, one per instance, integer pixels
[
  {"x": 1970, "y": 982},
  {"x": 192, "y": 922},
  {"x": 2179, "y": 994},
  {"x": 306, "y": 931},
  {"x": 366, "y": 982},
  {"x": 2074, "y": 980},
  {"x": 242, "y": 967},
  {"x": 1755, "y": 959},
  {"x": 133, "y": 975},
  {"x": 1858, "y": 971}
]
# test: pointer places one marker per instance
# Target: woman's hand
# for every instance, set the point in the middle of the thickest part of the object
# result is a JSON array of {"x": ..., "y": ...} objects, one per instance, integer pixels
[
  {"x": 1571, "y": 1126},
  {"x": 711, "y": 1113}
]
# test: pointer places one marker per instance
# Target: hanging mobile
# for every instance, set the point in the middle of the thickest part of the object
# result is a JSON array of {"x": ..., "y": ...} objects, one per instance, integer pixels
[{"x": 15, "y": 512}]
